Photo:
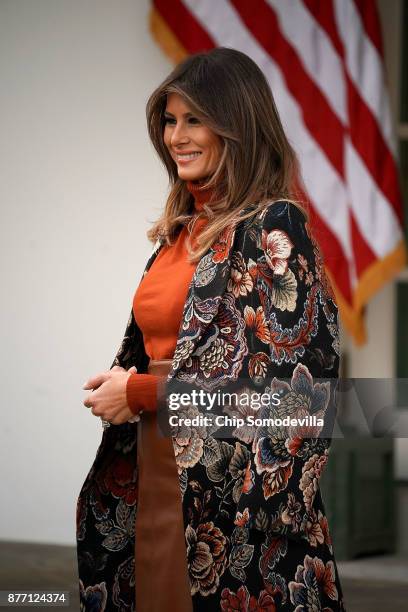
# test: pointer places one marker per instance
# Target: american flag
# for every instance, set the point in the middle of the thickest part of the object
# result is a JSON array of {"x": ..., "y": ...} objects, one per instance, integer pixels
[{"x": 325, "y": 64}]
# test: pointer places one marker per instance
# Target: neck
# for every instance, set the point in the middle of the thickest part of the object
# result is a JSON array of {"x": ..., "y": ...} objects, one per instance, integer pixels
[{"x": 201, "y": 196}]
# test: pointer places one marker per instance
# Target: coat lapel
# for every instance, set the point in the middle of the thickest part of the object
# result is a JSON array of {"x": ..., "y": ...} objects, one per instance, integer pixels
[{"x": 205, "y": 293}]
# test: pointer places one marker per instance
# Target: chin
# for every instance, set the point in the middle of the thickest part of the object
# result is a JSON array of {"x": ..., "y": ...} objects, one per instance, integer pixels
[{"x": 191, "y": 175}]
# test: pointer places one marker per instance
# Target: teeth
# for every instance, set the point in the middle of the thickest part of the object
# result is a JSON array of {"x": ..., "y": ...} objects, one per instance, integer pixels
[{"x": 189, "y": 156}]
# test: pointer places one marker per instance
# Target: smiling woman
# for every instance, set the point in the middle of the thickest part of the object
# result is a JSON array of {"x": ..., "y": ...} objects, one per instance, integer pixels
[
  {"x": 193, "y": 146},
  {"x": 239, "y": 301}
]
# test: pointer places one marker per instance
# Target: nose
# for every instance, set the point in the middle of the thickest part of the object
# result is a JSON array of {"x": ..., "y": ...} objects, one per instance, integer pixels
[{"x": 179, "y": 134}]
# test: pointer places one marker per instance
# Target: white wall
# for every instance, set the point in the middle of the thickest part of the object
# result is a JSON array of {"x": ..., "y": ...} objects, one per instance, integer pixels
[{"x": 79, "y": 184}]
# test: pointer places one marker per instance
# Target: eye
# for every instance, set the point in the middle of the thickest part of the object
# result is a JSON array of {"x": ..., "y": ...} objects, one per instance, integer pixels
[
  {"x": 194, "y": 120},
  {"x": 169, "y": 120}
]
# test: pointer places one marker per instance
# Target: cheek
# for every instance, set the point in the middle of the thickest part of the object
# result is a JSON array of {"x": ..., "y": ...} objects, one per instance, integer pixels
[
  {"x": 212, "y": 144},
  {"x": 166, "y": 137},
  {"x": 215, "y": 152}
]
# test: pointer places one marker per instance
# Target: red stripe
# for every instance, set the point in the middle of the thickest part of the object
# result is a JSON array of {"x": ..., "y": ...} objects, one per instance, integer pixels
[
  {"x": 318, "y": 116},
  {"x": 322, "y": 11},
  {"x": 365, "y": 256},
  {"x": 365, "y": 133},
  {"x": 371, "y": 22},
  {"x": 184, "y": 26}
]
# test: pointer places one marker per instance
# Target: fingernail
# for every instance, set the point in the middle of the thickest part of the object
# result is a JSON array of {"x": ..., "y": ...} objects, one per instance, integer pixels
[{"x": 84, "y": 386}]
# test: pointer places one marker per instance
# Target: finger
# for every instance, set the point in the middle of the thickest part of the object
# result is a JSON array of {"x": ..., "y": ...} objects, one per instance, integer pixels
[
  {"x": 87, "y": 402},
  {"x": 132, "y": 369},
  {"x": 117, "y": 367},
  {"x": 95, "y": 381}
]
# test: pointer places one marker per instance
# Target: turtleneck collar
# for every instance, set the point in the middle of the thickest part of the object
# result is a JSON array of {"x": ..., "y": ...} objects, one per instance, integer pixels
[{"x": 201, "y": 196}]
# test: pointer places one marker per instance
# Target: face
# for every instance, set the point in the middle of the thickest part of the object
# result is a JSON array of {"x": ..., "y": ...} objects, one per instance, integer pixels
[{"x": 194, "y": 147}]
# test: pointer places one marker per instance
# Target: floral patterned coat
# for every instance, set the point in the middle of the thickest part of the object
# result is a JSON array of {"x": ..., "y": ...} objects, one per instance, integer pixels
[{"x": 259, "y": 309}]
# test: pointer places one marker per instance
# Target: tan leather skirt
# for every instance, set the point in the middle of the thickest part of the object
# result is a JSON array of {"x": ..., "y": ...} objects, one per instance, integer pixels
[{"x": 160, "y": 551}]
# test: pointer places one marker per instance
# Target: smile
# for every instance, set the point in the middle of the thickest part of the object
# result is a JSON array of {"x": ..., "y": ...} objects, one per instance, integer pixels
[{"x": 187, "y": 157}]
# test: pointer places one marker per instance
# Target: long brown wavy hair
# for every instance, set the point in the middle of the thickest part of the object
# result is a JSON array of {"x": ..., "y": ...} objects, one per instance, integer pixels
[{"x": 229, "y": 94}]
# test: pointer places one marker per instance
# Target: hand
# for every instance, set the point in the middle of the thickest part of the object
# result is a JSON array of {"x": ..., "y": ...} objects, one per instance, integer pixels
[{"x": 108, "y": 398}]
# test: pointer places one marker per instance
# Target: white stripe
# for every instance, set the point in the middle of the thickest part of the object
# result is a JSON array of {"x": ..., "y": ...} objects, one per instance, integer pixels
[
  {"x": 375, "y": 218},
  {"x": 323, "y": 184},
  {"x": 315, "y": 52},
  {"x": 365, "y": 67}
]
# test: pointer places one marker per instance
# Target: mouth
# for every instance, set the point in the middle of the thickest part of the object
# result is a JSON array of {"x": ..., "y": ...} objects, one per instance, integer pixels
[{"x": 187, "y": 157}]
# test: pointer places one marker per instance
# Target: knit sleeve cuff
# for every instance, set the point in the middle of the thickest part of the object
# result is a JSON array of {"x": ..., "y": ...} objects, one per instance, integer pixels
[{"x": 141, "y": 392}]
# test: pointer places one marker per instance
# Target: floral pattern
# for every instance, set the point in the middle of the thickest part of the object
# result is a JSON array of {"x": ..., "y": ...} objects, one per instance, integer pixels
[
  {"x": 259, "y": 313},
  {"x": 311, "y": 580},
  {"x": 206, "y": 553}
]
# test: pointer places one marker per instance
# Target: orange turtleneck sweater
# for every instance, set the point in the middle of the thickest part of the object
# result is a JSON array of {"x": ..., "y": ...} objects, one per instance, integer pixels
[{"x": 158, "y": 305}]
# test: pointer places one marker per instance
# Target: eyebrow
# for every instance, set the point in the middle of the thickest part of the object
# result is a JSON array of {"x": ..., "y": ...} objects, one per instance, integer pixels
[{"x": 189, "y": 114}]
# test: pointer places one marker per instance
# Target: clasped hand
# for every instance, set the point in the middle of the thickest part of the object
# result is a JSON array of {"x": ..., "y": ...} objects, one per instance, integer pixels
[{"x": 108, "y": 398}]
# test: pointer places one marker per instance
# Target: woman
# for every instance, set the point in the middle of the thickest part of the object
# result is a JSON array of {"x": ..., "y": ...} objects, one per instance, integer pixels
[{"x": 234, "y": 297}]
